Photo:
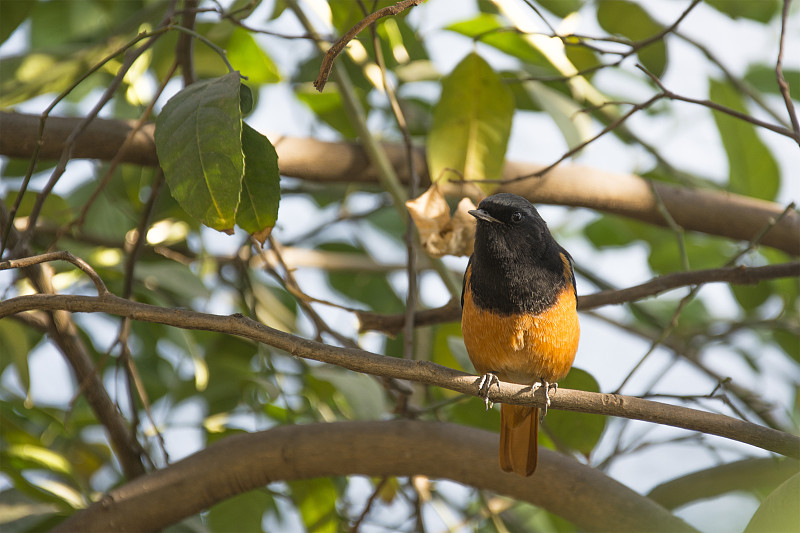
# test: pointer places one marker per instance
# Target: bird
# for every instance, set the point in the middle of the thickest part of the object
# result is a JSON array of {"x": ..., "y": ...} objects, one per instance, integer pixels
[{"x": 519, "y": 316}]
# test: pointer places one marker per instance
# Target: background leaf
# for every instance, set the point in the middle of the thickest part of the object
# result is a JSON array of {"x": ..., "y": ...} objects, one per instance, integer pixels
[
  {"x": 752, "y": 170},
  {"x": 471, "y": 123}
]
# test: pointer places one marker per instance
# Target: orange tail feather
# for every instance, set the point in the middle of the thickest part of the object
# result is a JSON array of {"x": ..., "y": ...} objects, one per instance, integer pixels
[{"x": 519, "y": 432}]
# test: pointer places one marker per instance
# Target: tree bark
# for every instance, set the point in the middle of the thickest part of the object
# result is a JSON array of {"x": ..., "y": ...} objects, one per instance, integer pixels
[
  {"x": 713, "y": 212},
  {"x": 576, "y": 492}
]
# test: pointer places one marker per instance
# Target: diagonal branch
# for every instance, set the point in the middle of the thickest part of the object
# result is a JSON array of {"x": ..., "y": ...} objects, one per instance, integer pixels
[
  {"x": 784, "y": 87},
  {"x": 336, "y": 49},
  {"x": 420, "y": 371},
  {"x": 740, "y": 275}
]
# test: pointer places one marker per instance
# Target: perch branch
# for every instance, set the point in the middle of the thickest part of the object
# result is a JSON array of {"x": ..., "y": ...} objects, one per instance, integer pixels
[{"x": 419, "y": 371}]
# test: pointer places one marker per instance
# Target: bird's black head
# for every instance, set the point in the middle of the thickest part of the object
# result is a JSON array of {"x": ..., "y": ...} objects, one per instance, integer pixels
[
  {"x": 511, "y": 229},
  {"x": 517, "y": 265}
]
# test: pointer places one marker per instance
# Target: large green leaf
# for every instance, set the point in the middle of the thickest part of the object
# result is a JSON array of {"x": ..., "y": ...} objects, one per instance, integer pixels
[
  {"x": 199, "y": 143},
  {"x": 752, "y": 169},
  {"x": 632, "y": 21},
  {"x": 261, "y": 191},
  {"x": 471, "y": 123}
]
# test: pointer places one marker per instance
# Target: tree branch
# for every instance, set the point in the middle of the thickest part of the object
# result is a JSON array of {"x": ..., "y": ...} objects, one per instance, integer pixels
[
  {"x": 740, "y": 275},
  {"x": 336, "y": 49},
  {"x": 581, "y": 494},
  {"x": 419, "y": 371},
  {"x": 716, "y": 213}
]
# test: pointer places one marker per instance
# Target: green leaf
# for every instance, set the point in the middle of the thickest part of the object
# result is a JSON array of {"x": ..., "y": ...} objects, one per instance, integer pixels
[
  {"x": 372, "y": 289},
  {"x": 578, "y": 431},
  {"x": 630, "y": 20},
  {"x": 15, "y": 348},
  {"x": 751, "y": 296},
  {"x": 704, "y": 251},
  {"x": 316, "y": 501},
  {"x": 364, "y": 397},
  {"x": 27, "y": 76},
  {"x": 449, "y": 350},
  {"x": 243, "y": 512},
  {"x": 198, "y": 140},
  {"x": 250, "y": 59},
  {"x": 575, "y": 126},
  {"x": 246, "y": 100},
  {"x": 611, "y": 231},
  {"x": 753, "y": 170},
  {"x": 490, "y": 30},
  {"x": 778, "y": 512},
  {"x": 760, "y": 10},
  {"x": 261, "y": 190},
  {"x": 327, "y": 106},
  {"x": 471, "y": 123},
  {"x": 14, "y": 13},
  {"x": 172, "y": 277},
  {"x": 561, "y": 8},
  {"x": 762, "y": 77}
]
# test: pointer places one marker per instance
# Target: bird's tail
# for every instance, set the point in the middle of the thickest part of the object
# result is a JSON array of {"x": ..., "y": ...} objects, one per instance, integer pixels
[{"x": 519, "y": 432}]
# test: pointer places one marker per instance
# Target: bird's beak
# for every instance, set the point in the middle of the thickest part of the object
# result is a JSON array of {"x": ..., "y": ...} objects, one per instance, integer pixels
[{"x": 480, "y": 214}]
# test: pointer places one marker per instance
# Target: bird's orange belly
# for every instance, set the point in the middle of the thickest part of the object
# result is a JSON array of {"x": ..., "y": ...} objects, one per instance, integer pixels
[{"x": 523, "y": 348}]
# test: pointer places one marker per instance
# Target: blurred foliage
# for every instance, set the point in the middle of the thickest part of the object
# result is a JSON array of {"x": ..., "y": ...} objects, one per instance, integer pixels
[{"x": 54, "y": 457}]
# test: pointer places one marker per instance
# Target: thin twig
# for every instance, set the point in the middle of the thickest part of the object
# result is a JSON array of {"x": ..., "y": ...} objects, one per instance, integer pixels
[
  {"x": 784, "y": 87},
  {"x": 58, "y": 256},
  {"x": 666, "y": 93},
  {"x": 336, "y": 49},
  {"x": 410, "y": 236},
  {"x": 115, "y": 161},
  {"x": 375, "y": 493}
]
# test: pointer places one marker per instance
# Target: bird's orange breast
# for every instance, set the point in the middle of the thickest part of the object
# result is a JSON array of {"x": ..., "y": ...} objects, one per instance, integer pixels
[{"x": 522, "y": 348}]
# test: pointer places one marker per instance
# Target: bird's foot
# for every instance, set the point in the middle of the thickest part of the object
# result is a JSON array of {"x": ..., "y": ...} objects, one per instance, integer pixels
[
  {"x": 549, "y": 389},
  {"x": 486, "y": 382}
]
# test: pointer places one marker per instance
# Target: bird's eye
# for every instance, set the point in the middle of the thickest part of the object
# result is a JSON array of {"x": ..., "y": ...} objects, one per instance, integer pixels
[{"x": 516, "y": 217}]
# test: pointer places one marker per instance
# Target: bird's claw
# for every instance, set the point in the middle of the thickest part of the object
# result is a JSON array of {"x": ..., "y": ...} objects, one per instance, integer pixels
[
  {"x": 486, "y": 382},
  {"x": 550, "y": 388}
]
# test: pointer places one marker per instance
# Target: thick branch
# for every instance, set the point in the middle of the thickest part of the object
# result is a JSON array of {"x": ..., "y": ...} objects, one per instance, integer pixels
[
  {"x": 716, "y": 213},
  {"x": 581, "y": 494},
  {"x": 392, "y": 324},
  {"x": 419, "y": 371}
]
